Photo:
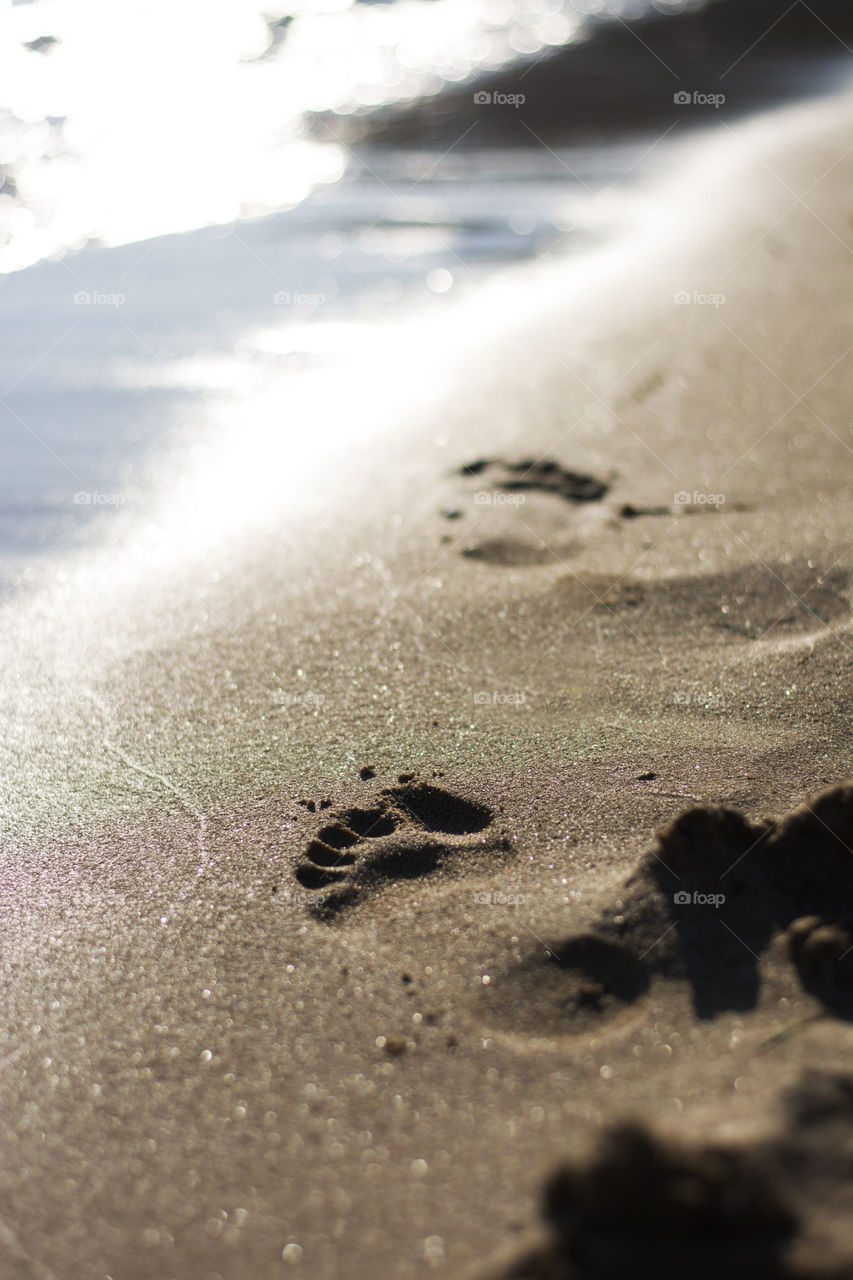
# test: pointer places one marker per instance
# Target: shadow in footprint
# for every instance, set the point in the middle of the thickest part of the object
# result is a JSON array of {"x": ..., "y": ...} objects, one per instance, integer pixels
[
  {"x": 404, "y": 863},
  {"x": 572, "y": 986},
  {"x": 435, "y": 809},
  {"x": 713, "y": 900},
  {"x": 410, "y": 832},
  {"x": 369, "y": 822}
]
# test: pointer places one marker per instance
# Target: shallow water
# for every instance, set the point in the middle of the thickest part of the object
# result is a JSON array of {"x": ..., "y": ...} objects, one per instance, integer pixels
[
  {"x": 110, "y": 355},
  {"x": 121, "y": 123}
]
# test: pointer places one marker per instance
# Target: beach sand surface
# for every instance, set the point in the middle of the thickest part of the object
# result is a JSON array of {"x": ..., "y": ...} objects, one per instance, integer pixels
[{"x": 335, "y": 916}]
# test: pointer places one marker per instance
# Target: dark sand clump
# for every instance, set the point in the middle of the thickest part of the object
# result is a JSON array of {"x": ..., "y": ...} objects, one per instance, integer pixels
[
  {"x": 646, "y": 1206},
  {"x": 702, "y": 910}
]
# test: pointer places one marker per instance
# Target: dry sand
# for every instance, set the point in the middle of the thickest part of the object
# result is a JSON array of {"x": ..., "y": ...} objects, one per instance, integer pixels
[{"x": 334, "y": 919}]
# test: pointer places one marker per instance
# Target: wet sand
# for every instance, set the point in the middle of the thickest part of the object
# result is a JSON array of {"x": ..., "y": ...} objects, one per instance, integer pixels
[{"x": 335, "y": 922}]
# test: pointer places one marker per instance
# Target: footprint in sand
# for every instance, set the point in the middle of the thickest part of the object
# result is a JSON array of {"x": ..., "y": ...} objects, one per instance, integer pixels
[
  {"x": 715, "y": 894},
  {"x": 747, "y": 603},
  {"x": 566, "y": 988},
  {"x": 503, "y": 489},
  {"x": 537, "y": 473},
  {"x": 410, "y": 831}
]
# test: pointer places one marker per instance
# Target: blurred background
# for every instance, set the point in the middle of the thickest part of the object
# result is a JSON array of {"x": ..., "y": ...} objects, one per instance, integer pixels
[{"x": 202, "y": 206}]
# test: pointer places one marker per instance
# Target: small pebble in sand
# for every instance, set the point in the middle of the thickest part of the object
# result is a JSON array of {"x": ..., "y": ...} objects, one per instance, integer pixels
[
  {"x": 395, "y": 1045},
  {"x": 367, "y": 771},
  {"x": 646, "y": 777}
]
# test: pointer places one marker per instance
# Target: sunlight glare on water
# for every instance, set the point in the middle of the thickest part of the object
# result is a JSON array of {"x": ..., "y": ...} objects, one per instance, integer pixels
[{"x": 126, "y": 121}]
